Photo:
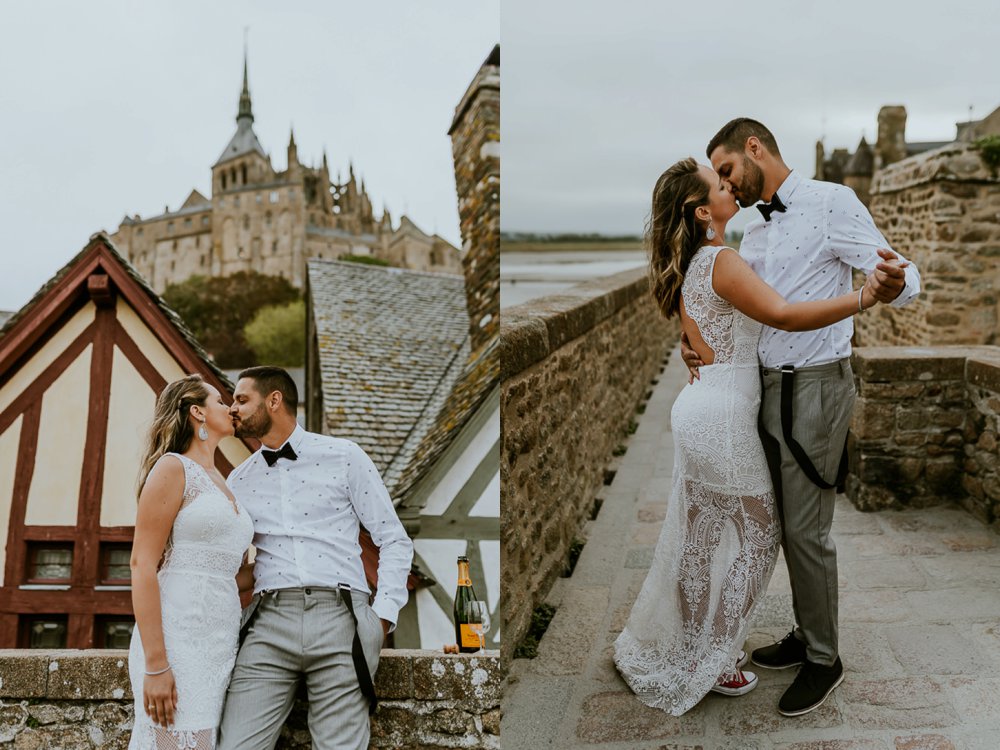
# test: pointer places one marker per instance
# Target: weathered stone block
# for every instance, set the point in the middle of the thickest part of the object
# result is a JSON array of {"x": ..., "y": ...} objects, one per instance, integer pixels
[
  {"x": 12, "y": 718},
  {"x": 394, "y": 678},
  {"x": 23, "y": 674},
  {"x": 78, "y": 675},
  {"x": 471, "y": 678},
  {"x": 873, "y": 420}
]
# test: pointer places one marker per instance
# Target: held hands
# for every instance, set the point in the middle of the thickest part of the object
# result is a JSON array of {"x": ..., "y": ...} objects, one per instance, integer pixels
[
  {"x": 887, "y": 280},
  {"x": 159, "y": 696},
  {"x": 691, "y": 358}
]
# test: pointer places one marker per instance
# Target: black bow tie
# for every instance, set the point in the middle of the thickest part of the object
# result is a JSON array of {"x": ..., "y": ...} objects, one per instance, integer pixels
[
  {"x": 272, "y": 457},
  {"x": 766, "y": 209}
]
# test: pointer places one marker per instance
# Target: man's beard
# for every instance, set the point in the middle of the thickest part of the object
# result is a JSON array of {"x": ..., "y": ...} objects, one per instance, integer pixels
[
  {"x": 256, "y": 425},
  {"x": 753, "y": 183}
]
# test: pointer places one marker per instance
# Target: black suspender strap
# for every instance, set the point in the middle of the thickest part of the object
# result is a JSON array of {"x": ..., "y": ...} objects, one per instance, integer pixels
[
  {"x": 787, "y": 389},
  {"x": 360, "y": 665}
]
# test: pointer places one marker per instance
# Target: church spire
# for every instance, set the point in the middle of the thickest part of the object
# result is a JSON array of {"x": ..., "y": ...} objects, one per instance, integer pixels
[{"x": 245, "y": 110}]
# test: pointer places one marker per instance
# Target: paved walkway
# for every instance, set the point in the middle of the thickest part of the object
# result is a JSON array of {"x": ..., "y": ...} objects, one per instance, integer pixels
[{"x": 920, "y": 632}]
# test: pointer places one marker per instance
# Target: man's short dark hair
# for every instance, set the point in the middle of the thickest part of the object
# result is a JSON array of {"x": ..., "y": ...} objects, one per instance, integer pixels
[
  {"x": 268, "y": 379},
  {"x": 733, "y": 137}
]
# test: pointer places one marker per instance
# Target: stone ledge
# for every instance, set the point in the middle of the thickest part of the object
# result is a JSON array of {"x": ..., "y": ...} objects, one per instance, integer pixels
[
  {"x": 953, "y": 162},
  {"x": 532, "y": 331},
  {"x": 103, "y": 675},
  {"x": 896, "y": 363}
]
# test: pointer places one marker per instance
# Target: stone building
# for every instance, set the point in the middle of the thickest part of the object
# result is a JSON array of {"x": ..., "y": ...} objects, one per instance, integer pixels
[
  {"x": 262, "y": 219},
  {"x": 938, "y": 203},
  {"x": 856, "y": 169},
  {"x": 81, "y": 365}
]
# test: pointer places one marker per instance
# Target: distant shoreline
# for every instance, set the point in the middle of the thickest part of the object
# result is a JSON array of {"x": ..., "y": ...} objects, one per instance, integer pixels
[{"x": 527, "y": 242}]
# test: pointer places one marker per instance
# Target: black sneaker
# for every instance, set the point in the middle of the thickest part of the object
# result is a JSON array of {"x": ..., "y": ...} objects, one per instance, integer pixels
[
  {"x": 788, "y": 652},
  {"x": 812, "y": 686}
]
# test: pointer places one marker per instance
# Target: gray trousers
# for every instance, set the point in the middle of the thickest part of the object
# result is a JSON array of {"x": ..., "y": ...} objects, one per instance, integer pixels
[
  {"x": 302, "y": 633},
  {"x": 821, "y": 406}
]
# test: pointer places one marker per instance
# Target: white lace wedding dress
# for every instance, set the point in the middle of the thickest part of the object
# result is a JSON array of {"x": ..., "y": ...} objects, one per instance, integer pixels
[
  {"x": 721, "y": 534},
  {"x": 200, "y": 611}
]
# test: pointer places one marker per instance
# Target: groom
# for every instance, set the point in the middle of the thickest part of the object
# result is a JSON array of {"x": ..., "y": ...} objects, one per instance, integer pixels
[
  {"x": 309, "y": 619},
  {"x": 807, "y": 239}
]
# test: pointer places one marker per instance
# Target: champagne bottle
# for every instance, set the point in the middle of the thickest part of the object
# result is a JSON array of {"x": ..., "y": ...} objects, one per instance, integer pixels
[{"x": 468, "y": 641}]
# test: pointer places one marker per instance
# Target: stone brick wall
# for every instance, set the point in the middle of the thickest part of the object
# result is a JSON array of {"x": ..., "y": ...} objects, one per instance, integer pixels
[
  {"x": 940, "y": 209},
  {"x": 78, "y": 700},
  {"x": 574, "y": 368},
  {"x": 925, "y": 428},
  {"x": 475, "y": 137}
]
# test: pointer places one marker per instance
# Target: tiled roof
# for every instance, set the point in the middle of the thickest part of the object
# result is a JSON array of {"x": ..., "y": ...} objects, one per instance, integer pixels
[
  {"x": 174, "y": 318},
  {"x": 389, "y": 342},
  {"x": 478, "y": 377}
]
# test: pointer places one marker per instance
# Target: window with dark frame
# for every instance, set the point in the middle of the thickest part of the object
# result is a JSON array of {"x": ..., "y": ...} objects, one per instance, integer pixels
[
  {"x": 113, "y": 631},
  {"x": 42, "y": 631},
  {"x": 115, "y": 563},
  {"x": 49, "y": 562}
]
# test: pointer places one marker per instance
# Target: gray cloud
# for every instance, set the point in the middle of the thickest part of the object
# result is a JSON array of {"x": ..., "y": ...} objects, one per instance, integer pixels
[
  {"x": 599, "y": 98},
  {"x": 114, "y": 107}
]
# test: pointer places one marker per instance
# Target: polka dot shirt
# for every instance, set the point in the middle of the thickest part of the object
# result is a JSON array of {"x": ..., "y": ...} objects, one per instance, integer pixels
[
  {"x": 807, "y": 253},
  {"x": 307, "y": 515}
]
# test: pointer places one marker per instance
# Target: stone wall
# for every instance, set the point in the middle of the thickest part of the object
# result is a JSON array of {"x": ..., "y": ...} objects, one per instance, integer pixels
[
  {"x": 940, "y": 209},
  {"x": 78, "y": 700},
  {"x": 475, "y": 138},
  {"x": 574, "y": 368},
  {"x": 925, "y": 429}
]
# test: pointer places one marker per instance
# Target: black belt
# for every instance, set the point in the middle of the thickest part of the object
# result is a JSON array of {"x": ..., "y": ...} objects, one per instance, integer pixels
[
  {"x": 787, "y": 386},
  {"x": 360, "y": 665}
]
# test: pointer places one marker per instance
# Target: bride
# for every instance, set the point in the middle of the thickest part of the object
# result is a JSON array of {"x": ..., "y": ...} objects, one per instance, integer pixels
[
  {"x": 190, "y": 538},
  {"x": 721, "y": 534}
]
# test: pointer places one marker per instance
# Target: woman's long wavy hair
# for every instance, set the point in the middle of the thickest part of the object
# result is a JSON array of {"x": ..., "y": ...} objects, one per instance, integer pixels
[
  {"x": 172, "y": 430},
  {"x": 672, "y": 234}
]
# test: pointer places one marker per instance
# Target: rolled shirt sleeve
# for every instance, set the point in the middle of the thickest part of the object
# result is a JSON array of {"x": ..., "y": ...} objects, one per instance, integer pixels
[
  {"x": 853, "y": 238},
  {"x": 376, "y": 512}
]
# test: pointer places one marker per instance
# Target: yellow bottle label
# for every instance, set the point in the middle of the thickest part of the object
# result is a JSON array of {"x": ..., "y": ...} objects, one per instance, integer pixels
[{"x": 470, "y": 639}]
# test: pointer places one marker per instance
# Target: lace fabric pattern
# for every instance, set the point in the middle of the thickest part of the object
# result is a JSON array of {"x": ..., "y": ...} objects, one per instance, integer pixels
[
  {"x": 721, "y": 534},
  {"x": 200, "y": 612}
]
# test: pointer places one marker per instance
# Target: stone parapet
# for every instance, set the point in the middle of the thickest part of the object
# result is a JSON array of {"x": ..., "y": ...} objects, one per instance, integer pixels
[
  {"x": 77, "y": 700},
  {"x": 941, "y": 210},
  {"x": 925, "y": 429},
  {"x": 574, "y": 367}
]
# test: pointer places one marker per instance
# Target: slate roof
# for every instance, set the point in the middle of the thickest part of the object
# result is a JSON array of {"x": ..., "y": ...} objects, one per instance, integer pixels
[
  {"x": 391, "y": 343},
  {"x": 477, "y": 378},
  {"x": 173, "y": 317},
  {"x": 244, "y": 141},
  {"x": 862, "y": 162}
]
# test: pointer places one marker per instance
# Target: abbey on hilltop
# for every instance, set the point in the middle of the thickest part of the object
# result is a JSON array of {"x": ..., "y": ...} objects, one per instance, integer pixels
[{"x": 268, "y": 221}]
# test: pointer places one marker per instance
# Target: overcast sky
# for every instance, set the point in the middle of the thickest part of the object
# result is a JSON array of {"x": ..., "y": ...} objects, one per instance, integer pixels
[
  {"x": 114, "y": 108},
  {"x": 599, "y": 100}
]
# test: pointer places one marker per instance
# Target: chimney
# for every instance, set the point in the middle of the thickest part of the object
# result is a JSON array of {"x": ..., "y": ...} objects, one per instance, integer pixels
[{"x": 475, "y": 145}]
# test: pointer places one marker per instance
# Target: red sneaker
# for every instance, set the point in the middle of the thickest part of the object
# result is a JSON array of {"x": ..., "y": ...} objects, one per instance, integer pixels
[{"x": 738, "y": 683}]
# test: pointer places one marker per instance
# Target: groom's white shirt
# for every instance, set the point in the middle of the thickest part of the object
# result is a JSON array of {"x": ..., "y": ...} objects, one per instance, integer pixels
[
  {"x": 306, "y": 516},
  {"x": 806, "y": 253}
]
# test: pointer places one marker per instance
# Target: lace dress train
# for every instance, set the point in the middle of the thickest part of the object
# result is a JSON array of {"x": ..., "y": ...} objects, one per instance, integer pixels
[
  {"x": 200, "y": 608},
  {"x": 720, "y": 537}
]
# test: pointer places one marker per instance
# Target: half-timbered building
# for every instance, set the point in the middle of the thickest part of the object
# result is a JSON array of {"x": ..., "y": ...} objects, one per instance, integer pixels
[{"x": 81, "y": 366}]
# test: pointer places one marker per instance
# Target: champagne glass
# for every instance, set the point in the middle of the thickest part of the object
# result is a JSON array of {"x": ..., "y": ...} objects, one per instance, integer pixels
[{"x": 479, "y": 620}]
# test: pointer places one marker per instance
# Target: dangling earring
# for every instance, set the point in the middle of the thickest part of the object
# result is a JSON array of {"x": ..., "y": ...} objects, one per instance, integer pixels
[
  {"x": 709, "y": 231},
  {"x": 202, "y": 432}
]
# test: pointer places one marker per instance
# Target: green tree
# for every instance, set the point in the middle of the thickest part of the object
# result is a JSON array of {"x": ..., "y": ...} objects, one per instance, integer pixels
[
  {"x": 217, "y": 310},
  {"x": 277, "y": 334}
]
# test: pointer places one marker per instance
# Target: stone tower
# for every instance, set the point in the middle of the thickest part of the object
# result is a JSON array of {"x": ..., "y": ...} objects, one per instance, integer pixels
[
  {"x": 890, "y": 146},
  {"x": 475, "y": 139}
]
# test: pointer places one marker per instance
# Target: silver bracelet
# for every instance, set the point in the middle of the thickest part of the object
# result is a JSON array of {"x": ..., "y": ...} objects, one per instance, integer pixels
[
  {"x": 860, "y": 292},
  {"x": 153, "y": 674}
]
